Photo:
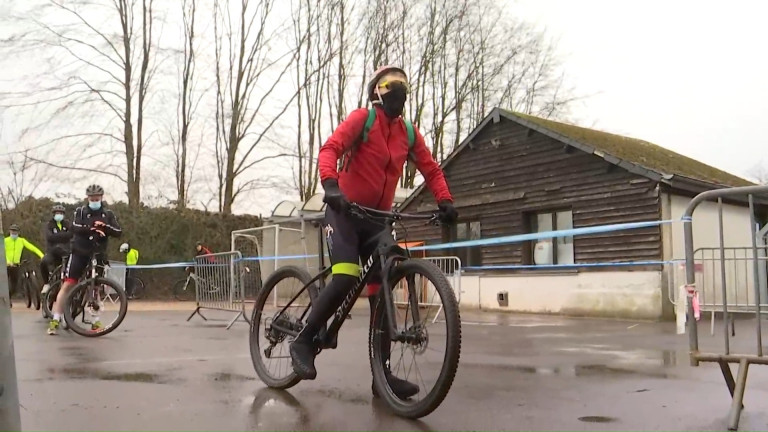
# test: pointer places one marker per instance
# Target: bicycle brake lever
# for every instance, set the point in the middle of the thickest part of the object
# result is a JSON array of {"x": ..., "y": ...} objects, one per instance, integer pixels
[{"x": 433, "y": 221}]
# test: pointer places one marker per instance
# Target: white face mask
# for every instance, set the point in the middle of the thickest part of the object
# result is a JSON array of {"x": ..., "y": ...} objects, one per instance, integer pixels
[{"x": 58, "y": 217}]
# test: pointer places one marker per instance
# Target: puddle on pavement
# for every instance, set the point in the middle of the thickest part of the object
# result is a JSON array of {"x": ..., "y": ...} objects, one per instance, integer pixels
[
  {"x": 598, "y": 419},
  {"x": 277, "y": 410},
  {"x": 587, "y": 370},
  {"x": 636, "y": 357},
  {"x": 227, "y": 377},
  {"x": 336, "y": 394},
  {"x": 79, "y": 372},
  {"x": 142, "y": 377}
]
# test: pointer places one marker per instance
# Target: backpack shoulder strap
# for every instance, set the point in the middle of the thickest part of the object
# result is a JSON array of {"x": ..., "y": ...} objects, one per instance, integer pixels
[
  {"x": 368, "y": 124},
  {"x": 411, "y": 137},
  {"x": 345, "y": 160}
]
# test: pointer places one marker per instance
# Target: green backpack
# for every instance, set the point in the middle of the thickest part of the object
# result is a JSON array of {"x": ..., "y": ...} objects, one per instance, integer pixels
[{"x": 363, "y": 137}]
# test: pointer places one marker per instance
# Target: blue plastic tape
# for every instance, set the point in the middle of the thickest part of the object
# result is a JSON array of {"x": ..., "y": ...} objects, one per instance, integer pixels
[
  {"x": 480, "y": 242},
  {"x": 544, "y": 235}
]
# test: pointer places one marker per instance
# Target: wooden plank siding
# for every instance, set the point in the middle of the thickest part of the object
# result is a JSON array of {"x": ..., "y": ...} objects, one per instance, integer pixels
[{"x": 509, "y": 172}]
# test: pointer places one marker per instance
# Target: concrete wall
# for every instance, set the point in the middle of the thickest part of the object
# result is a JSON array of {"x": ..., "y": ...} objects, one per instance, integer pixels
[
  {"x": 739, "y": 269},
  {"x": 705, "y": 225},
  {"x": 624, "y": 294}
]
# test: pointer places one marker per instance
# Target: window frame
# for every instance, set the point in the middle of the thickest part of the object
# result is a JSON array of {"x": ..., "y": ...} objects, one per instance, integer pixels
[
  {"x": 469, "y": 256},
  {"x": 532, "y": 218}
]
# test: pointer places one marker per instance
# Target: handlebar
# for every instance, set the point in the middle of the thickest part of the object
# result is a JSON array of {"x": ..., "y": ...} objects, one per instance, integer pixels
[{"x": 367, "y": 212}]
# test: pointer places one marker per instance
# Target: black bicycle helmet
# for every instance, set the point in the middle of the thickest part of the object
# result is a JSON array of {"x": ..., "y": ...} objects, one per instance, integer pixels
[
  {"x": 94, "y": 189},
  {"x": 58, "y": 208},
  {"x": 14, "y": 227}
]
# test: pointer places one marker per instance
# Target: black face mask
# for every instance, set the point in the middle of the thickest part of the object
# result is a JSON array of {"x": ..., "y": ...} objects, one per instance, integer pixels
[{"x": 394, "y": 100}]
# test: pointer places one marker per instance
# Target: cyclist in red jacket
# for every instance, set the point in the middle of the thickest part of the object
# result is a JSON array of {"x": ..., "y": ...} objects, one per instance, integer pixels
[{"x": 368, "y": 179}]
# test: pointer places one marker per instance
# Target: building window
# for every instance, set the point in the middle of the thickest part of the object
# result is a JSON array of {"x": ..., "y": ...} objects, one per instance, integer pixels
[
  {"x": 468, "y": 230},
  {"x": 551, "y": 250}
]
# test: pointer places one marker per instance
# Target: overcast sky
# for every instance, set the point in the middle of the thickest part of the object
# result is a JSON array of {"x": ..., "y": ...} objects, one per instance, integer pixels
[{"x": 691, "y": 76}]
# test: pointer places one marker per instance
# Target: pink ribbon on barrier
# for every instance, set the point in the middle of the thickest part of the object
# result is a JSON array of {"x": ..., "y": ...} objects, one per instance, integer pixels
[{"x": 694, "y": 301}]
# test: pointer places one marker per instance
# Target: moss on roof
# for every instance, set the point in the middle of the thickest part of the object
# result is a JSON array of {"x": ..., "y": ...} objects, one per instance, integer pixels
[{"x": 649, "y": 156}]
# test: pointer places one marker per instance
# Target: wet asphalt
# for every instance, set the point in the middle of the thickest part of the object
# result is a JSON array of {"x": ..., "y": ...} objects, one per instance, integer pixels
[{"x": 517, "y": 372}]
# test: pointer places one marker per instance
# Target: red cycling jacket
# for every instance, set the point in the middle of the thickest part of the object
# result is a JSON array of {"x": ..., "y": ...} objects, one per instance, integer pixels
[
  {"x": 375, "y": 169},
  {"x": 205, "y": 251}
]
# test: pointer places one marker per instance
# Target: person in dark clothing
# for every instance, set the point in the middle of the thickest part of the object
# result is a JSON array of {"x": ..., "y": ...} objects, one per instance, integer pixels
[
  {"x": 58, "y": 234},
  {"x": 92, "y": 226}
]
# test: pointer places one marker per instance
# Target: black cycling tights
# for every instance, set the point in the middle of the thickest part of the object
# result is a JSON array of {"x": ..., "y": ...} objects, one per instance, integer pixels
[{"x": 326, "y": 304}]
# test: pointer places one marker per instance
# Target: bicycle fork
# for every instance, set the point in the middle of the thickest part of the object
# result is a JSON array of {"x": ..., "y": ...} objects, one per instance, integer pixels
[{"x": 389, "y": 301}]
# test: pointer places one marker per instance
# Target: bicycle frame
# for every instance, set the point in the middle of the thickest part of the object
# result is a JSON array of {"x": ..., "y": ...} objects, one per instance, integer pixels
[{"x": 386, "y": 254}]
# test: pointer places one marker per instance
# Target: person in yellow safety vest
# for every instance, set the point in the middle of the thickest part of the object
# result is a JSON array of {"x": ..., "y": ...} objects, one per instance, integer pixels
[
  {"x": 131, "y": 259},
  {"x": 14, "y": 246}
]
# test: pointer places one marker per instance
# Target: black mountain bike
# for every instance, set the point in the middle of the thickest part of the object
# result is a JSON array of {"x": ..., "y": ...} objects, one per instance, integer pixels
[
  {"x": 399, "y": 271},
  {"x": 93, "y": 297}
]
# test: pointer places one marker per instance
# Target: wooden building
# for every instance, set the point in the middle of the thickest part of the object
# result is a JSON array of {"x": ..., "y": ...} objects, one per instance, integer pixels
[{"x": 517, "y": 174}]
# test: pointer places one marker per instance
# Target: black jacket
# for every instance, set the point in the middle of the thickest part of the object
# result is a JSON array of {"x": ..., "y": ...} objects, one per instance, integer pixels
[
  {"x": 57, "y": 238},
  {"x": 86, "y": 241}
]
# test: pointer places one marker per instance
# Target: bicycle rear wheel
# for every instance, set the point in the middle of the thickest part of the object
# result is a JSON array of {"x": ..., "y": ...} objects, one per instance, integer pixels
[
  {"x": 137, "y": 287},
  {"x": 183, "y": 291},
  {"x": 269, "y": 346},
  {"x": 37, "y": 286},
  {"x": 415, "y": 277},
  {"x": 86, "y": 301},
  {"x": 50, "y": 298},
  {"x": 27, "y": 287}
]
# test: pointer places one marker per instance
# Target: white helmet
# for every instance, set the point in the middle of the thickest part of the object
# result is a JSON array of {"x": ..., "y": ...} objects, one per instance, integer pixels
[{"x": 124, "y": 247}]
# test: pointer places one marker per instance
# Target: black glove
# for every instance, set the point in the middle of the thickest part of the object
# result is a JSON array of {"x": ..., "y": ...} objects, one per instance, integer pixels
[
  {"x": 333, "y": 196},
  {"x": 447, "y": 213}
]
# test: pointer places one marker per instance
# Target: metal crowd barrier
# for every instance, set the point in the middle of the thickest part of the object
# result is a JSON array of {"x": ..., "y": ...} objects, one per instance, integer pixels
[
  {"x": 693, "y": 289},
  {"x": 219, "y": 284},
  {"x": 116, "y": 271},
  {"x": 451, "y": 268}
]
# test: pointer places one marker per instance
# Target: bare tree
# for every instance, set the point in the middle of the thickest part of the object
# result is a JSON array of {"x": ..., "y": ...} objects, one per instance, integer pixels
[
  {"x": 186, "y": 106},
  {"x": 100, "y": 77},
  {"x": 23, "y": 178},
  {"x": 319, "y": 33},
  {"x": 758, "y": 173},
  {"x": 248, "y": 74},
  {"x": 474, "y": 57}
]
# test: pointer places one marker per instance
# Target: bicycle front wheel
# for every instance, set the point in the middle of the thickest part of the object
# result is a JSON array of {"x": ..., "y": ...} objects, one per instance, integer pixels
[
  {"x": 95, "y": 307},
  {"x": 50, "y": 298},
  {"x": 432, "y": 336}
]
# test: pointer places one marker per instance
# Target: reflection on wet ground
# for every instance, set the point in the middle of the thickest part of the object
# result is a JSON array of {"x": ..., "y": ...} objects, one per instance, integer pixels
[
  {"x": 589, "y": 370},
  {"x": 594, "y": 375},
  {"x": 597, "y": 419}
]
